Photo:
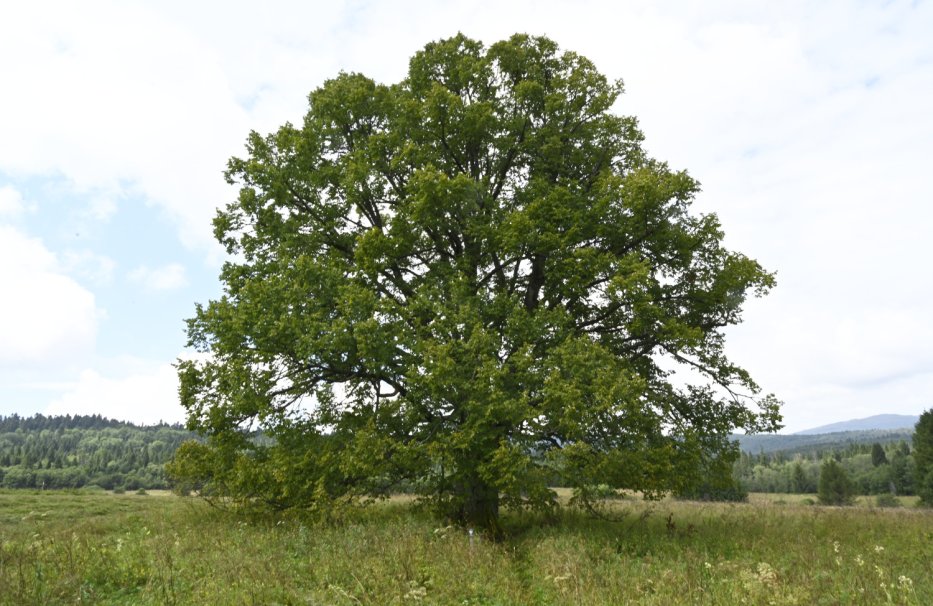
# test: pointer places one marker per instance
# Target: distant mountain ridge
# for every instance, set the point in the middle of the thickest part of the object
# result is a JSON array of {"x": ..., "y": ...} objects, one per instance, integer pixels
[
  {"x": 878, "y": 428},
  {"x": 796, "y": 443},
  {"x": 886, "y": 421}
]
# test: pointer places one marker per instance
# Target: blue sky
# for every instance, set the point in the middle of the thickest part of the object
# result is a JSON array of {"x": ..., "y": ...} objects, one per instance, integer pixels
[{"x": 808, "y": 124}]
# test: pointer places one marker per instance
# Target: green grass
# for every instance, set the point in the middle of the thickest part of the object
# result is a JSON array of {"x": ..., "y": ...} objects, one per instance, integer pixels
[{"x": 101, "y": 548}]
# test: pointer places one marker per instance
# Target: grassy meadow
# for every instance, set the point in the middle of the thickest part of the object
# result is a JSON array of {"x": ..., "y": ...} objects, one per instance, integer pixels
[{"x": 102, "y": 548}]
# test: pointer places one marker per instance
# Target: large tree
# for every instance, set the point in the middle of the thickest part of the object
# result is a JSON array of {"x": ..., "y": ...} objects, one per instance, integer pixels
[
  {"x": 474, "y": 281},
  {"x": 923, "y": 457}
]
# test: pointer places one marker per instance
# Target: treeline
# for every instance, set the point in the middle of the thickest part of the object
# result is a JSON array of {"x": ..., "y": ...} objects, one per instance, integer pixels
[
  {"x": 873, "y": 468},
  {"x": 56, "y": 452},
  {"x": 76, "y": 451},
  {"x": 811, "y": 444}
]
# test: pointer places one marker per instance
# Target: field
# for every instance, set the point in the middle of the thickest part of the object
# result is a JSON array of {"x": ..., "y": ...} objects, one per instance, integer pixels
[{"x": 101, "y": 548}]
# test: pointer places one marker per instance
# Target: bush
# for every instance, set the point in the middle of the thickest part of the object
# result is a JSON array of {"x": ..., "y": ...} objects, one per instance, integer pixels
[
  {"x": 108, "y": 481},
  {"x": 887, "y": 500},
  {"x": 605, "y": 491},
  {"x": 835, "y": 487},
  {"x": 715, "y": 491},
  {"x": 132, "y": 482},
  {"x": 193, "y": 468}
]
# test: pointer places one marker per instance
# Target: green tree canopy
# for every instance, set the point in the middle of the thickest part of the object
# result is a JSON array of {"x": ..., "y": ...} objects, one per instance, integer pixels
[
  {"x": 799, "y": 480},
  {"x": 923, "y": 457},
  {"x": 878, "y": 457},
  {"x": 472, "y": 280},
  {"x": 835, "y": 487}
]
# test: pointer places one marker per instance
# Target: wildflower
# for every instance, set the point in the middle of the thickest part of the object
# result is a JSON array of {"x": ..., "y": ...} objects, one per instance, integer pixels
[
  {"x": 766, "y": 574},
  {"x": 416, "y": 593},
  {"x": 441, "y": 532},
  {"x": 905, "y": 583},
  {"x": 879, "y": 571},
  {"x": 859, "y": 560},
  {"x": 878, "y": 548},
  {"x": 707, "y": 565},
  {"x": 564, "y": 577},
  {"x": 835, "y": 546}
]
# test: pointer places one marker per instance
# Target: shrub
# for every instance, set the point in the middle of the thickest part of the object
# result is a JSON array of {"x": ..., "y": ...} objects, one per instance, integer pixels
[
  {"x": 715, "y": 491},
  {"x": 835, "y": 487},
  {"x": 887, "y": 500},
  {"x": 605, "y": 491}
]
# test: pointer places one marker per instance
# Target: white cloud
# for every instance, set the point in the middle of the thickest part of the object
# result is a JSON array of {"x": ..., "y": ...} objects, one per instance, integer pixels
[
  {"x": 96, "y": 268},
  {"x": 146, "y": 396},
  {"x": 104, "y": 101},
  {"x": 168, "y": 277},
  {"x": 45, "y": 316},
  {"x": 11, "y": 201},
  {"x": 101, "y": 208}
]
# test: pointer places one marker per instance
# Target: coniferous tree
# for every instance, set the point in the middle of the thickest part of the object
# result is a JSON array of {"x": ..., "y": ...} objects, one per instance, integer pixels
[
  {"x": 800, "y": 478},
  {"x": 835, "y": 487},
  {"x": 878, "y": 456},
  {"x": 70, "y": 452},
  {"x": 923, "y": 457}
]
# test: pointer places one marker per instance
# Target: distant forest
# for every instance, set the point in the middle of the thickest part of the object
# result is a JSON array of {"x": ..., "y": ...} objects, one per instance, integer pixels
[
  {"x": 876, "y": 461},
  {"x": 811, "y": 444},
  {"x": 77, "y": 451},
  {"x": 56, "y": 452}
]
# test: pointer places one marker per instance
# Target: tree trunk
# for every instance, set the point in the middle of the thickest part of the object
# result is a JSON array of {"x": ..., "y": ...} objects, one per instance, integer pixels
[{"x": 480, "y": 507}]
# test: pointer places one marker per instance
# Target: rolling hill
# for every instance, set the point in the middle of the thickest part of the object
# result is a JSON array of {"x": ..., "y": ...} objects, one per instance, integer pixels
[
  {"x": 879, "y": 428},
  {"x": 868, "y": 423}
]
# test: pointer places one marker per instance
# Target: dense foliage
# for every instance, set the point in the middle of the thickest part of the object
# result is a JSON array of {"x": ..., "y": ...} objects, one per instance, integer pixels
[
  {"x": 798, "y": 471},
  {"x": 835, "y": 487},
  {"x": 923, "y": 456},
  {"x": 468, "y": 280},
  {"x": 878, "y": 456},
  {"x": 716, "y": 481},
  {"x": 75, "y": 451}
]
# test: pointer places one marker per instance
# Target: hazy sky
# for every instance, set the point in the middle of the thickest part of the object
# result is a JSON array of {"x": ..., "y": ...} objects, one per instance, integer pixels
[{"x": 809, "y": 124}]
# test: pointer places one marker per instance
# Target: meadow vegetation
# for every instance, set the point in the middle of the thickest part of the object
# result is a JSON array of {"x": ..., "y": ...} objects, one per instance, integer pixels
[{"x": 101, "y": 548}]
